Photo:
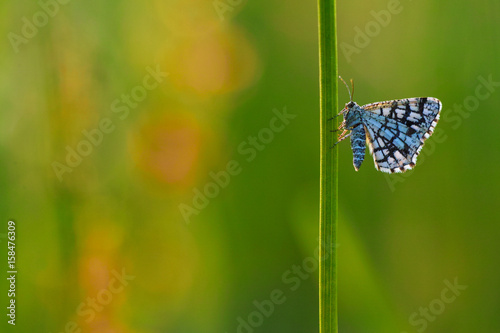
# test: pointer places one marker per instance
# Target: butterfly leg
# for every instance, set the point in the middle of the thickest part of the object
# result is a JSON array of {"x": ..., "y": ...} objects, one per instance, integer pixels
[
  {"x": 341, "y": 127},
  {"x": 342, "y": 137},
  {"x": 338, "y": 114}
]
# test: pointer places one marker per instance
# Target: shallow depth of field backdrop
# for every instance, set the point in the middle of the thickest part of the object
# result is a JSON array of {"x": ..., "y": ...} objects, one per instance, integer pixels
[{"x": 175, "y": 144}]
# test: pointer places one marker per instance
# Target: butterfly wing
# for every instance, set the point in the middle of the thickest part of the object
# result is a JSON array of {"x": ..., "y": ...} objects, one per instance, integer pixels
[
  {"x": 398, "y": 129},
  {"x": 387, "y": 155}
]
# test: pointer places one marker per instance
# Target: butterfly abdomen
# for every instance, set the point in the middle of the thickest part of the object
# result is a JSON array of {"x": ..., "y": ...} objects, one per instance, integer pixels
[{"x": 358, "y": 145}]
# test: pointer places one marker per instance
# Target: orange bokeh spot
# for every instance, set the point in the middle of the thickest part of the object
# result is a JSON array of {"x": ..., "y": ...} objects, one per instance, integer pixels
[
  {"x": 218, "y": 62},
  {"x": 168, "y": 149}
]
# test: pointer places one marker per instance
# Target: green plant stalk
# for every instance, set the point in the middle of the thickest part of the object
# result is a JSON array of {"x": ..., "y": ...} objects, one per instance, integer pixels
[{"x": 328, "y": 74}]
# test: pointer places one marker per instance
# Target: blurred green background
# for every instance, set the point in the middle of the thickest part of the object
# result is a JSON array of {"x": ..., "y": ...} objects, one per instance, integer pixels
[{"x": 74, "y": 70}]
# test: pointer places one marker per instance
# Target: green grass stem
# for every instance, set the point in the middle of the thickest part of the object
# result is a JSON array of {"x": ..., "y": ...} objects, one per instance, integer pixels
[{"x": 328, "y": 74}]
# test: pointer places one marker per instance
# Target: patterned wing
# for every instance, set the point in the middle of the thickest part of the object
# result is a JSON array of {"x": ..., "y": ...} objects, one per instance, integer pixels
[
  {"x": 386, "y": 155},
  {"x": 420, "y": 114},
  {"x": 396, "y": 131}
]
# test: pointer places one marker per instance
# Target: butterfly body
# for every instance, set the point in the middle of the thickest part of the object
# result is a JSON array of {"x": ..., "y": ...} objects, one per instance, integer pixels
[
  {"x": 395, "y": 131},
  {"x": 358, "y": 145}
]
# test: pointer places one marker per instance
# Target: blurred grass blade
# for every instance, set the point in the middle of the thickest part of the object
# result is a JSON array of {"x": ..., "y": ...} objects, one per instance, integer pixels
[{"x": 328, "y": 74}]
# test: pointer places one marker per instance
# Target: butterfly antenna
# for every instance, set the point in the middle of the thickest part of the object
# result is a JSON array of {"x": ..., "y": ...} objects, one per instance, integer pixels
[
  {"x": 349, "y": 90},
  {"x": 352, "y": 84}
]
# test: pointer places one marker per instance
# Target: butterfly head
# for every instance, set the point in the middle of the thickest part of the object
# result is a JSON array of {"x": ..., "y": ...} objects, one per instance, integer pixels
[{"x": 350, "y": 105}]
